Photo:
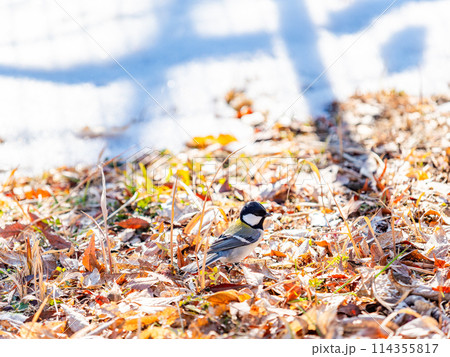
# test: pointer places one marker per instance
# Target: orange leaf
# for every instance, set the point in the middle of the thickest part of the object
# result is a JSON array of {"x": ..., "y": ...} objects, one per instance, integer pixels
[
  {"x": 36, "y": 193},
  {"x": 444, "y": 289},
  {"x": 134, "y": 223},
  {"x": 161, "y": 227},
  {"x": 293, "y": 291},
  {"x": 227, "y": 296},
  {"x": 100, "y": 299},
  {"x": 338, "y": 276},
  {"x": 439, "y": 263},
  {"x": 202, "y": 197},
  {"x": 12, "y": 230},
  {"x": 121, "y": 279},
  {"x": 275, "y": 253},
  {"x": 89, "y": 259},
  {"x": 181, "y": 262}
]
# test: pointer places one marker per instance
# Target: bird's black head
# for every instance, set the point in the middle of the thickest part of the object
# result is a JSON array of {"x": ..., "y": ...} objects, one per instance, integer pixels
[{"x": 253, "y": 214}]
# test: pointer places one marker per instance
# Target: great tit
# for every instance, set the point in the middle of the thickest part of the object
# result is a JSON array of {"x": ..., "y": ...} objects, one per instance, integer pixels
[{"x": 238, "y": 241}]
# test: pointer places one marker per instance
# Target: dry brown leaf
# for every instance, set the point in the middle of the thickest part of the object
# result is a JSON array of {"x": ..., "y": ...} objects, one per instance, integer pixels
[
  {"x": 319, "y": 319},
  {"x": 54, "y": 240},
  {"x": 89, "y": 260},
  {"x": 349, "y": 310},
  {"x": 12, "y": 230},
  {"x": 47, "y": 330},
  {"x": 134, "y": 223},
  {"x": 416, "y": 256},
  {"x": 75, "y": 318},
  {"x": 298, "y": 327}
]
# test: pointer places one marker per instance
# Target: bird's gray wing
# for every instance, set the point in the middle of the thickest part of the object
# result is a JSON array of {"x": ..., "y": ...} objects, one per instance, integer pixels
[{"x": 228, "y": 240}]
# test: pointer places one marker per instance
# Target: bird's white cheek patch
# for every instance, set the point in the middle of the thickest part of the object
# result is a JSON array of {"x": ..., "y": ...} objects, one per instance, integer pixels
[{"x": 251, "y": 219}]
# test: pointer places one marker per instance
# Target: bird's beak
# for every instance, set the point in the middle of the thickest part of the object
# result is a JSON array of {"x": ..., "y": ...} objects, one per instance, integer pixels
[{"x": 268, "y": 214}]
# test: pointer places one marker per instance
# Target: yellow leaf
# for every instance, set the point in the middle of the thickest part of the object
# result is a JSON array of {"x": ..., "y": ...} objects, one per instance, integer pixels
[
  {"x": 185, "y": 176},
  {"x": 418, "y": 174},
  {"x": 225, "y": 139},
  {"x": 167, "y": 316},
  {"x": 313, "y": 167},
  {"x": 201, "y": 142}
]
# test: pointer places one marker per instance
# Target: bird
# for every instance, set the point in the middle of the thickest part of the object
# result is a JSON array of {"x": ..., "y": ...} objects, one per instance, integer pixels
[{"x": 238, "y": 241}]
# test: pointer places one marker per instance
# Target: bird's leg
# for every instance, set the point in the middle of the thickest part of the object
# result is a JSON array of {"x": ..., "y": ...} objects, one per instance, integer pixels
[
  {"x": 236, "y": 266},
  {"x": 231, "y": 267}
]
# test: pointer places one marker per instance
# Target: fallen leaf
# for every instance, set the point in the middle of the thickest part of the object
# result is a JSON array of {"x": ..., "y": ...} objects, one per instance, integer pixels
[
  {"x": 201, "y": 142},
  {"x": 225, "y": 139},
  {"x": 227, "y": 296},
  {"x": 53, "y": 239},
  {"x": 275, "y": 253},
  {"x": 222, "y": 287},
  {"x": 36, "y": 193},
  {"x": 134, "y": 223},
  {"x": 166, "y": 316},
  {"x": 444, "y": 289},
  {"x": 416, "y": 256},
  {"x": 349, "y": 310},
  {"x": 100, "y": 299},
  {"x": 439, "y": 263},
  {"x": 75, "y": 318},
  {"x": 339, "y": 276},
  {"x": 47, "y": 330},
  {"x": 12, "y": 230},
  {"x": 89, "y": 260},
  {"x": 157, "y": 332},
  {"x": 293, "y": 291},
  {"x": 418, "y": 174}
]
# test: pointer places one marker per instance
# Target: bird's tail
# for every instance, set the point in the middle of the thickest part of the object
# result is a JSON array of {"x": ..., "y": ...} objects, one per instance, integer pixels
[{"x": 193, "y": 268}]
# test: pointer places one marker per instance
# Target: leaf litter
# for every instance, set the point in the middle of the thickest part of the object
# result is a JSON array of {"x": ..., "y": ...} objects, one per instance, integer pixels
[{"x": 357, "y": 245}]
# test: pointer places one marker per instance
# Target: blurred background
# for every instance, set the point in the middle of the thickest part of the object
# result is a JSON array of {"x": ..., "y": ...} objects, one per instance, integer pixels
[{"x": 87, "y": 78}]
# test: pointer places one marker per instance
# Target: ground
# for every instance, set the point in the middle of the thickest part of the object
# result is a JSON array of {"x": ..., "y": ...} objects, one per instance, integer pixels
[{"x": 357, "y": 245}]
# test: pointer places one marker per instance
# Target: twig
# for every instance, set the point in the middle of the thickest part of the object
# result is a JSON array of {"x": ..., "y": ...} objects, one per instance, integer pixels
[
  {"x": 105, "y": 220},
  {"x": 174, "y": 191}
]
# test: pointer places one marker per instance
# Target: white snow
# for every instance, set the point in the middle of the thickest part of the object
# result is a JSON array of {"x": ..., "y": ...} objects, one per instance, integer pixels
[{"x": 155, "y": 73}]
